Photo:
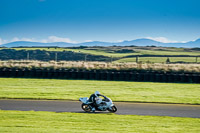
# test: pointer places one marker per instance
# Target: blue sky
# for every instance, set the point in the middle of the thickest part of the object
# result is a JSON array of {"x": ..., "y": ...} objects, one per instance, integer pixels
[{"x": 99, "y": 20}]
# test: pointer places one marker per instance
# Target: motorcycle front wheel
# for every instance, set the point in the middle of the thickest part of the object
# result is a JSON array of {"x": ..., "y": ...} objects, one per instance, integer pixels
[
  {"x": 113, "y": 109},
  {"x": 86, "y": 107}
]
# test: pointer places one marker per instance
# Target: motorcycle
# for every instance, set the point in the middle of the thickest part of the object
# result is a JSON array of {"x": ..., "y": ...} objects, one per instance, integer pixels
[{"x": 103, "y": 104}]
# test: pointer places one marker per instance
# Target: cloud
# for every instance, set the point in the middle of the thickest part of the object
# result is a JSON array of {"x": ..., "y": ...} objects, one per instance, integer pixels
[
  {"x": 23, "y": 39},
  {"x": 3, "y": 41},
  {"x": 88, "y": 41},
  {"x": 52, "y": 39},
  {"x": 161, "y": 39},
  {"x": 119, "y": 40}
]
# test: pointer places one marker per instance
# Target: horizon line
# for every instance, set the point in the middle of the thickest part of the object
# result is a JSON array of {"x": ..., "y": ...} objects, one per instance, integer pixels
[{"x": 55, "y": 39}]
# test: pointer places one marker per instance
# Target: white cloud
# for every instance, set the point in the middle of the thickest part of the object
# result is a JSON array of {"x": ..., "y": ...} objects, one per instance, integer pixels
[
  {"x": 1, "y": 41},
  {"x": 15, "y": 39},
  {"x": 88, "y": 41},
  {"x": 23, "y": 39},
  {"x": 161, "y": 39},
  {"x": 51, "y": 39},
  {"x": 119, "y": 40}
]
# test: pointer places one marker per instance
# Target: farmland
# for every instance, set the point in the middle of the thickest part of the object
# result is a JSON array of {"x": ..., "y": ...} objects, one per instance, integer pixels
[
  {"x": 121, "y": 54},
  {"x": 115, "y": 51},
  {"x": 123, "y": 91},
  {"x": 160, "y": 59}
]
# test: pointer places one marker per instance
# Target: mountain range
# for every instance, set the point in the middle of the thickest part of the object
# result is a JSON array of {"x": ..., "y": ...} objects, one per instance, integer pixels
[{"x": 137, "y": 42}]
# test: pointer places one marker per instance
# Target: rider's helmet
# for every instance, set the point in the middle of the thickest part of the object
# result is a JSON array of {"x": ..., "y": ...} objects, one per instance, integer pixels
[{"x": 97, "y": 93}]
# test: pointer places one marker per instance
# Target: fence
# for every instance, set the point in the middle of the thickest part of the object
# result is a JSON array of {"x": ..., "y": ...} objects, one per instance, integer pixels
[
  {"x": 161, "y": 59},
  {"x": 145, "y": 76}
]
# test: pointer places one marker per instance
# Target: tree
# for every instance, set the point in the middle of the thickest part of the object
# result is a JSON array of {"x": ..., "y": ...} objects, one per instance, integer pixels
[{"x": 168, "y": 60}]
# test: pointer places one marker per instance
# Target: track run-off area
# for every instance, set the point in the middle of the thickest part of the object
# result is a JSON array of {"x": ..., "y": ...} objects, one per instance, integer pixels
[{"x": 124, "y": 108}]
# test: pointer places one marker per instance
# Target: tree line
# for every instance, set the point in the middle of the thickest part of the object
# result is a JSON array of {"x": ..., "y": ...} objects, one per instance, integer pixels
[{"x": 42, "y": 55}]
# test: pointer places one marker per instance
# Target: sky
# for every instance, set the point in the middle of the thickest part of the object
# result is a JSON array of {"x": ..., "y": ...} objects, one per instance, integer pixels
[{"x": 99, "y": 20}]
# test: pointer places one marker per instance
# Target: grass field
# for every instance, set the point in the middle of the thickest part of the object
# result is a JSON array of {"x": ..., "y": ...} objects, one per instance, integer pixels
[
  {"x": 51, "y": 122},
  {"x": 138, "y": 51},
  {"x": 101, "y": 52},
  {"x": 112, "y": 52},
  {"x": 93, "y": 52},
  {"x": 116, "y": 90},
  {"x": 160, "y": 59},
  {"x": 107, "y": 51},
  {"x": 159, "y": 52}
]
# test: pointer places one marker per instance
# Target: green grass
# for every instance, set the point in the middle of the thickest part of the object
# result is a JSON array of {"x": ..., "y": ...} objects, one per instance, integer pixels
[
  {"x": 138, "y": 52},
  {"x": 93, "y": 52},
  {"x": 159, "y": 52},
  {"x": 159, "y": 59},
  {"x": 101, "y": 52},
  {"x": 51, "y": 122},
  {"x": 104, "y": 51},
  {"x": 116, "y": 90}
]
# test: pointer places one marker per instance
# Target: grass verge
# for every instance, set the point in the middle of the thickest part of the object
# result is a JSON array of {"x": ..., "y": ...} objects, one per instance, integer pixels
[
  {"x": 117, "y": 90},
  {"x": 51, "y": 122}
]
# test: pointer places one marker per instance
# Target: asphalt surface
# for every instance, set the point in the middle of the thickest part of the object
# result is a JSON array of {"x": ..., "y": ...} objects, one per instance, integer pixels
[{"x": 153, "y": 109}]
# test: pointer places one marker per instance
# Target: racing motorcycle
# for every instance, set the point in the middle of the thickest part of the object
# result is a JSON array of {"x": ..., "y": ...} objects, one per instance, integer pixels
[{"x": 103, "y": 104}]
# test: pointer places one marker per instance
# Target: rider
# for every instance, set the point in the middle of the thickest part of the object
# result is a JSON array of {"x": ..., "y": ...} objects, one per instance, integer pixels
[{"x": 93, "y": 98}]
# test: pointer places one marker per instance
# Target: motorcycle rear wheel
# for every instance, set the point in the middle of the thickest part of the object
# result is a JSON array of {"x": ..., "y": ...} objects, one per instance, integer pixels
[
  {"x": 113, "y": 109},
  {"x": 86, "y": 107}
]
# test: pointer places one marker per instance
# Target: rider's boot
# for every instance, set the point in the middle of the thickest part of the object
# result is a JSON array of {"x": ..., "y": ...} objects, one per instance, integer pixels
[{"x": 93, "y": 109}]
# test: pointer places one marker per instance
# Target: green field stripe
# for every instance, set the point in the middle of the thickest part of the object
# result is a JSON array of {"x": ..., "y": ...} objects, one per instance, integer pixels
[
  {"x": 51, "y": 122},
  {"x": 116, "y": 90}
]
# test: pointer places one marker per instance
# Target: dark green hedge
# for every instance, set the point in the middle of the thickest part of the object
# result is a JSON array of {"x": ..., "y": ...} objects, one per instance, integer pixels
[{"x": 145, "y": 76}]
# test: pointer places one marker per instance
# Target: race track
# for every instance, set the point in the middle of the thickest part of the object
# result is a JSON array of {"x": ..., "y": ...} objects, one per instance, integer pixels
[{"x": 154, "y": 109}]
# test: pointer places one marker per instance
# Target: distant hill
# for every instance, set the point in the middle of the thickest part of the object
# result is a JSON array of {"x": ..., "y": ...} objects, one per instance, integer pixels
[
  {"x": 36, "y": 44},
  {"x": 137, "y": 42}
]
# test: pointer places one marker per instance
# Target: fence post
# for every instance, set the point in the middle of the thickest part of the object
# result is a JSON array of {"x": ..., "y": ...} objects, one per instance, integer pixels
[
  {"x": 27, "y": 55},
  {"x": 56, "y": 56},
  {"x": 137, "y": 59}
]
